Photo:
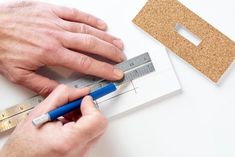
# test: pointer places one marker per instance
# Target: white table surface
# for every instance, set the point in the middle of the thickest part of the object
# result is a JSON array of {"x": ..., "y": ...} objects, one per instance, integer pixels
[{"x": 198, "y": 122}]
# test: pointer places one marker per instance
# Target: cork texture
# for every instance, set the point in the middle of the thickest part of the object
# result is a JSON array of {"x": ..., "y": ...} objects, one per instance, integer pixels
[{"x": 212, "y": 56}]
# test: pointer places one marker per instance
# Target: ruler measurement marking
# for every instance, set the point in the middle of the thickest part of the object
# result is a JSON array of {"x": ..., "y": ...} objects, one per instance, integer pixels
[
  {"x": 13, "y": 121},
  {"x": 19, "y": 108}
]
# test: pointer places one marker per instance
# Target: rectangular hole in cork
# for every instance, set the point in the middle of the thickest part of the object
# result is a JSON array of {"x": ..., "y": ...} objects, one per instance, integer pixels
[{"x": 183, "y": 31}]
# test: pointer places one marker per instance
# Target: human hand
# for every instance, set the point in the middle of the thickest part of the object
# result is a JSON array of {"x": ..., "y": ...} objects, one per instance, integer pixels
[
  {"x": 72, "y": 139},
  {"x": 34, "y": 35}
]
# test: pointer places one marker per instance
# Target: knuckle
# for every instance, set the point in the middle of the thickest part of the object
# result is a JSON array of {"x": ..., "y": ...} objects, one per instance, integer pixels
[
  {"x": 84, "y": 29},
  {"x": 90, "y": 19},
  {"x": 89, "y": 42},
  {"x": 53, "y": 47},
  {"x": 73, "y": 12},
  {"x": 69, "y": 26},
  {"x": 61, "y": 148},
  {"x": 17, "y": 77},
  {"x": 63, "y": 87},
  {"x": 52, "y": 32},
  {"x": 85, "y": 62},
  {"x": 45, "y": 90},
  {"x": 50, "y": 53},
  {"x": 48, "y": 48}
]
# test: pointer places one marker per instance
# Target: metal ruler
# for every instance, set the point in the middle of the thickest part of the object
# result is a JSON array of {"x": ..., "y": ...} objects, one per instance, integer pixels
[{"x": 132, "y": 68}]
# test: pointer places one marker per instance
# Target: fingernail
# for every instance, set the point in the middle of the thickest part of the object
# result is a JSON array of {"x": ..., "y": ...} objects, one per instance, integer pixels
[
  {"x": 118, "y": 73},
  {"x": 101, "y": 24},
  {"x": 118, "y": 43},
  {"x": 89, "y": 98}
]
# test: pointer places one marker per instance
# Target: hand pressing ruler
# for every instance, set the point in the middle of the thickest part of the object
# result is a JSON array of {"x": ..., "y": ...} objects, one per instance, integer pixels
[{"x": 134, "y": 68}]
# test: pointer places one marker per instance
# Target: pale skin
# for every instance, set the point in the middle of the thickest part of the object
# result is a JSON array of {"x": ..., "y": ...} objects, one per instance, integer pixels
[
  {"x": 60, "y": 138},
  {"x": 34, "y": 35}
]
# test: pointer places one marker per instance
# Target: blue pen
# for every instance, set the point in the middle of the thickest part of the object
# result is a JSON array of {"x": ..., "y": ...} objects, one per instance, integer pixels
[{"x": 54, "y": 114}]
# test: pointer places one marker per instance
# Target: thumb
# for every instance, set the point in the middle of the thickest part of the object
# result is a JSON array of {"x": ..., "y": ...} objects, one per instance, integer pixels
[
  {"x": 40, "y": 84},
  {"x": 92, "y": 123}
]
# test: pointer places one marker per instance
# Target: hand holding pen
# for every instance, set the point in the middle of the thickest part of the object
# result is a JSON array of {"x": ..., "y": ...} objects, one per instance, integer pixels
[
  {"x": 59, "y": 138},
  {"x": 76, "y": 104}
]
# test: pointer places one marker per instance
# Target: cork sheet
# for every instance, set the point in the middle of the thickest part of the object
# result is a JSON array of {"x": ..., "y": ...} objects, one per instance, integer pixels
[{"x": 212, "y": 56}]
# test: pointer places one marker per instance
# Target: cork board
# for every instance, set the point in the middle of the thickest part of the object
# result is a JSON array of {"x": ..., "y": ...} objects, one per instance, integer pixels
[{"x": 212, "y": 56}]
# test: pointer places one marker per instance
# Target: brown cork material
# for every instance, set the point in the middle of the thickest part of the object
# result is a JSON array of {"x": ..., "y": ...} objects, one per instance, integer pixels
[{"x": 212, "y": 56}]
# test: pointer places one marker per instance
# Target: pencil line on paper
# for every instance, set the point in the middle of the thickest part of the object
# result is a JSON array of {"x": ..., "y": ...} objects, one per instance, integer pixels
[
  {"x": 117, "y": 95},
  {"x": 134, "y": 87}
]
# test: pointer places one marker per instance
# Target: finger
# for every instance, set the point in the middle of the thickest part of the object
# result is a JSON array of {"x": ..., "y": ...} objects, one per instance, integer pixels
[
  {"x": 60, "y": 96},
  {"x": 87, "y": 65},
  {"x": 41, "y": 85},
  {"x": 92, "y": 44},
  {"x": 88, "y": 107},
  {"x": 86, "y": 29},
  {"x": 92, "y": 123},
  {"x": 71, "y": 14}
]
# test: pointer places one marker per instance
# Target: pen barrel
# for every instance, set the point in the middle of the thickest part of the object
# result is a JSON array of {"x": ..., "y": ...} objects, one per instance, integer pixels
[
  {"x": 103, "y": 91},
  {"x": 77, "y": 103}
]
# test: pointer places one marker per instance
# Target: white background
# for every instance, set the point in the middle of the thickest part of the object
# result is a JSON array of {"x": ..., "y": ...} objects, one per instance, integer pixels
[{"x": 198, "y": 122}]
